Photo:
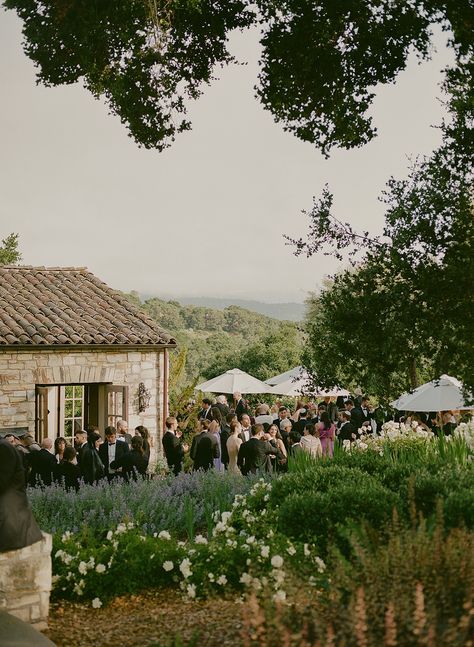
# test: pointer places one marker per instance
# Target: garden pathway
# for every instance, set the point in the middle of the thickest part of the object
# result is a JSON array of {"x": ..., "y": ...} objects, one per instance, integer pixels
[{"x": 151, "y": 619}]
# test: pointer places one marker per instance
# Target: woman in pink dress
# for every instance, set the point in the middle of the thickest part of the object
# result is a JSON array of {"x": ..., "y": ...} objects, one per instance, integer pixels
[{"x": 327, "y": 433}]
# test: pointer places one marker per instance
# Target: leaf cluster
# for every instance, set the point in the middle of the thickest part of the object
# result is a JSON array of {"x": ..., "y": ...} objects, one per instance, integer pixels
[{"x": 319, "y": 65}]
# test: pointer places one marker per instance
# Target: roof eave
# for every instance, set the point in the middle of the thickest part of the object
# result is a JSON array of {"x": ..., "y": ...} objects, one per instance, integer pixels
[{"x": 78, "y": 347}]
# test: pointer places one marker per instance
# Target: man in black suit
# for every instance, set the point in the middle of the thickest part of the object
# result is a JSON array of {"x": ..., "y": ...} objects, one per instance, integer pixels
[
  {"x": 111, "y": 450},
  {"x": 221, "y": 404},
  {"x": 282, "y": 415},
  {"x": 362, "y": 414},
  {"x": 43, "y": 464},
  {"x": 205, "y": 412},
  {"x": 172, "y": 446},
  {"x": 122, "y": 432},
  {"x": 246, "y": 431},
  {"x": 347, "y": 431},
  {"x": 254, "y": 455},
  {"x": 206, "y": 449},
  {"x": 80, "y": 443},
  {"x": 302, "y": 421},
  {"x": 240, "y": 405}
]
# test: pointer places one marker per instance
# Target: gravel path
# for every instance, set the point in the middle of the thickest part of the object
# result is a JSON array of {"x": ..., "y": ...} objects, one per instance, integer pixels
[{"x": 154, "y": 618}]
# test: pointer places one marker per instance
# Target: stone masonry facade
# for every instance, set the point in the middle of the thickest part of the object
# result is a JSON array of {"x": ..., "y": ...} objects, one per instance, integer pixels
[
  {"x": 25, "y": 582},
  {"x": 22, "y": 370}
]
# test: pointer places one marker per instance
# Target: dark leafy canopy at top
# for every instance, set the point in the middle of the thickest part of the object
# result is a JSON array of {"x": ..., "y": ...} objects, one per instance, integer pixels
[{"x": 320, "y": 59}]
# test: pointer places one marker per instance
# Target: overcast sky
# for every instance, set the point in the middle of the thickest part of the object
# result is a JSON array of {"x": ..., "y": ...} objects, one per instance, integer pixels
[{"x": 205, "y": 217}]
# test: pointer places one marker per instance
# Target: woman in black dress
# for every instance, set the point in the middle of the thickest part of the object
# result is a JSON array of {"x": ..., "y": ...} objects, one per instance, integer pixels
[
  {"x": 133, "y": 463},
  {"x": 67, "y": 473},
  {"x": 145, "y": 436}
]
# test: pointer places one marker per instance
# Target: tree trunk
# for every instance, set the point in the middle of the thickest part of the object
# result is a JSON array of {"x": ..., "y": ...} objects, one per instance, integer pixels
[{"x": 413, "y": 373}]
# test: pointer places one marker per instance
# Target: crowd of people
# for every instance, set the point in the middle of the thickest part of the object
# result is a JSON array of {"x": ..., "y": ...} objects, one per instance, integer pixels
[
  {"x": 228, "y": 437},
  {"x": 234, "y": 438},
  {"x": 92, "y": 458}
]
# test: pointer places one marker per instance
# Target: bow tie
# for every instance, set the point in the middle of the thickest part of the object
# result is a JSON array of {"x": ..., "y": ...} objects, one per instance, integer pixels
[{"x": 111, "y": 444}]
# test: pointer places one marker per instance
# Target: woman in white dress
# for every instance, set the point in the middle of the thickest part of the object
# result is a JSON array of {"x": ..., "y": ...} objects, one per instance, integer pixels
[{"x": 233, "y": 446}]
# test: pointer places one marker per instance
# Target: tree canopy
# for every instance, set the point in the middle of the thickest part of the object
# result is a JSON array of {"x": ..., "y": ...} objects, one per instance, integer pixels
[
  {"x": 407, "y": 302},
  {"x": 320, "y": 59}
]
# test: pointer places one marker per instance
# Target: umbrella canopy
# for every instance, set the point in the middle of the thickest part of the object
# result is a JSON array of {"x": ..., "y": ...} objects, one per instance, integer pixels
[
  {"x": 293, "y": 373},
  {"x": 443, "y": 394},
  {"x": 297, "y": 381},
  {"x": 232, "y": 381},
  {"x": 292, "y": 388},
  {"x": 303, "y": 386}
]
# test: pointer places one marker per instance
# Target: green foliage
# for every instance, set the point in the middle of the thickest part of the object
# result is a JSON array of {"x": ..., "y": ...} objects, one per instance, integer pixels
[
  {"x": 214, "y": 341},
  {"x": 409, "y": 586},
  {"x": 9, "y": 252},
  {"x": 316, "y": 504},
  {"x": 320, "y": 60},
  {"x": 406, "y": 307},
  {"x": 268, "y": 355}
]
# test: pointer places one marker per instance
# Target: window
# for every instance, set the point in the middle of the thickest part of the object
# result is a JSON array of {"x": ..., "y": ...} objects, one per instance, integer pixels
[
  {"x": 116, "y": 404},
  {"x": 73, "y": 410}
]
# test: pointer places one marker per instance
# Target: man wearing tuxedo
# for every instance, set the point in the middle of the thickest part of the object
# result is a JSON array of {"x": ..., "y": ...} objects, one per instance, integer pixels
[
  {"x": 111, "y": 450},
  {"x": 282, "y": 415},
  {"x": 254, "y": 455},
  {"x": 347, "y": 431},
  {"x": 205, "y": 413},
  {"x": 172, "y": 446},
  {"x": 362, "y": 414},
  {"x": 246, "y": 432}
]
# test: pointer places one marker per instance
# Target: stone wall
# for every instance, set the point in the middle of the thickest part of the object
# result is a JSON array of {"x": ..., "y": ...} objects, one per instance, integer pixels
[
  {"x": 21, "y": 370},
  {"x": 25, "y": 582}
]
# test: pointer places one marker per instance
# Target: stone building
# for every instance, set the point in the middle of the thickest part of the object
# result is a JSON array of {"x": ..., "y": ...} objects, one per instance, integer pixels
[{"x": 74, "y": 352}]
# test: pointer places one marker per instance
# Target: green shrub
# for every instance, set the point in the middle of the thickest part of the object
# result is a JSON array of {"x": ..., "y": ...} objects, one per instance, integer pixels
[{"x": 322, "y": 515}]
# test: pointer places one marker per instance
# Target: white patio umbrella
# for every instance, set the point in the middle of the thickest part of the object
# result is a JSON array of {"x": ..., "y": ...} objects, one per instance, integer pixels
[
  {"x": 297, "y": 381},
  {"x": 293, "y": 388},
  {"x": 443, "y": 394},
  {"x": 293, "y": 373},
  {"x": 232, "y": 381}
]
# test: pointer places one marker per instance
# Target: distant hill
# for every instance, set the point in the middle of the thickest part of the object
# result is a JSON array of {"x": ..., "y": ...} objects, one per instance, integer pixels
[
  {"x": 281, "y": 311},
  {"x": 227, "y": 335}
]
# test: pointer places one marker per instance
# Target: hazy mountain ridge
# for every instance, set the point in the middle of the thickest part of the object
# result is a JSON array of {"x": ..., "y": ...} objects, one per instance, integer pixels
[{"x": 282, "y": 311}]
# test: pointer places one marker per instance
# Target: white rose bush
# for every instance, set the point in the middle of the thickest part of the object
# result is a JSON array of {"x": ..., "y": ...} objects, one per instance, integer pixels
[{"x": 243, "y": 554}]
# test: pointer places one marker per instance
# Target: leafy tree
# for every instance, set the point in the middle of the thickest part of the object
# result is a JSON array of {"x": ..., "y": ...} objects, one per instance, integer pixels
[
  {"x": 410, "y": 300},
  {"x": 268, "y": 355},
  {"x": 320, "y": 59},
  {"x": 9, "y": 252}
]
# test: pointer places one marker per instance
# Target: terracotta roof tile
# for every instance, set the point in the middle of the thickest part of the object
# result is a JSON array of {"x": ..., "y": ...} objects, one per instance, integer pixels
[{"x": 69, "y": 306}]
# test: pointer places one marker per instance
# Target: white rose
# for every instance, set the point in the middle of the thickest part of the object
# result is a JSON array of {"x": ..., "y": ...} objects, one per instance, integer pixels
[
  {"x": 164, "y": 534},
  {"x": 277, "y": 561},
  {"x": 280, "y": 596},
  {"x": 96, "y": 603},
  {"x": 168, "y": 566},
  {"x": 100, "y": 568}
]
